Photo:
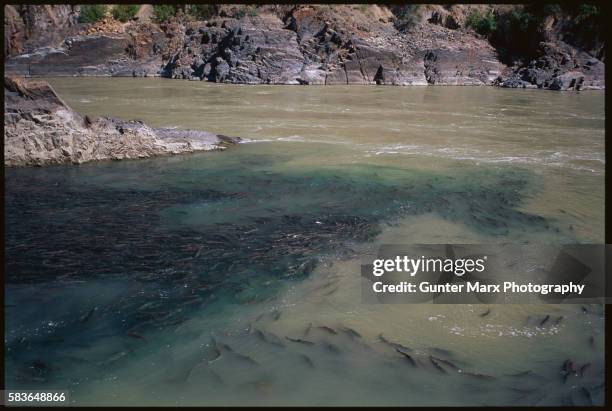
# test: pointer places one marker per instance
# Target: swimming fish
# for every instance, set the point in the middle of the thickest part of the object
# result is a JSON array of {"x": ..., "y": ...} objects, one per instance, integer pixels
[
  {"x": 299, "y": 340},
  {"x": 135, "y": 335},
  {"x": 394, "y": 344},
  {"x": 477, "y": 375},
  {"x": 331, "y": 348},
  {"x": 584, "y": 368},
  {"x": 521, "y": 374},
  {"x": 581, "y": 396},
  {"x": 332, "y": 291},
  {"x": 568, "y": 369},
  {"x": 436, "y": 365},
  {"x": 268, "y": 338},
  {"x": 447, "y": 362},
  {"x": 115, "y": 357},
  {"x": 486, "y": 313},
  {"x": 329, "y": 330},
  {"x": 244, "y": 358},
  {"x": 87, "y": 316},
  {"x": 441, "y": 351},
  {"x": 306, "y": 360},
  {"x": 211, "y": 353},
  {"x": 225, "y": 347},
  {"x": 350, "y": 332},
  {"x": 407, "y": 357}
]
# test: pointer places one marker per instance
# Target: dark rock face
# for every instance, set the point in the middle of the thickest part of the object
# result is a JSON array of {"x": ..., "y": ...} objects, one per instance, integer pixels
[
  {"x": 514, "y": 82},
  {"x": 304, "y": 44},
  {"x": 84, "y": 55},
  {"x": 253, "y": 50},
  {"x": 104, "y": 54},
  {"x": 28, "y": 27},
  {"x": 308, "y": 48},
  {"x": 444, "y": 67},
  {"x": 560, "y": 67},
  {"x": 40, "y": 129}
]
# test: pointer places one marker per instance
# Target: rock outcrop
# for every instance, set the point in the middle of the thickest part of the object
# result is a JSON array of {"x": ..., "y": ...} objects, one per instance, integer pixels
[
  {"x": 29, "y": 27},
  {"x": 559, "y": 67},
  {"x": 131, "y": 51},
  {"x": 323, "y": 45},
  {"x": 40, "y": 129},
  {"x": 310, "y": 44}
]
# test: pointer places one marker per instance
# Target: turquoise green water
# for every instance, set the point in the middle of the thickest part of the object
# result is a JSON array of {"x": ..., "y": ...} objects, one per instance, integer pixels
[{"x": 177, "y": 280}]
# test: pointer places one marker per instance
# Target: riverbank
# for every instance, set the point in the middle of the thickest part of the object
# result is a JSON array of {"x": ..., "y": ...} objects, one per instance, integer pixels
[
  {"x": 40, "y": 129},
  {"x": 318, "y": 45}
]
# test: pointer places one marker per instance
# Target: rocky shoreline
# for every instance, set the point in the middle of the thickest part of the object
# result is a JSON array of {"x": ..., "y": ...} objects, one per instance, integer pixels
[
  {"x": 40, "y": 129},
  {"x": 311, "y": 45}
]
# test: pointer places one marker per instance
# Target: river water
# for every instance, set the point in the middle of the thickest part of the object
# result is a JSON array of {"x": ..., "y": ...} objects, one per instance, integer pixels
[{"x": 177, "y": 280}]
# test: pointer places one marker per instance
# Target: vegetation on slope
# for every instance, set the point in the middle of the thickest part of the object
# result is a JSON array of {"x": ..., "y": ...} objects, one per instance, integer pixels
[
  {"x": 125, "y": 12},
  {"x": 91, "y": 13}
]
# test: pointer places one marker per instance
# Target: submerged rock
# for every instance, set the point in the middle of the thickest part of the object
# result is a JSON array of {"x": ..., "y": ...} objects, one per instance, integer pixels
[{"x": 40, "y": 129}]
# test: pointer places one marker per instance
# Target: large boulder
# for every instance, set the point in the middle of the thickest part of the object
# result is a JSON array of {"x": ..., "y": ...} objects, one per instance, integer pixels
[{"x": 39, "y": 129}]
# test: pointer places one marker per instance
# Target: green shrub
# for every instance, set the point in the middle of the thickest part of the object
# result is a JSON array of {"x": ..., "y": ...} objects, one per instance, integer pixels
[
  {"x": 517, "y": 35},
  {"x": 201, "y": 11},
  {"x": 482, "y": 23},
  {"x": 91, "y": 13},
  {"x": 551, "y": 9},
  {"x": 406, "y": 16},
  {"x": 125, "y": 12},
  {"x": 163, "y": 12},
  {"x": 252, "y": 11},
  {"x": 587, "y": 12},
  {"x": 246, "y": 10},
  {"x": 522, "y": 21}
]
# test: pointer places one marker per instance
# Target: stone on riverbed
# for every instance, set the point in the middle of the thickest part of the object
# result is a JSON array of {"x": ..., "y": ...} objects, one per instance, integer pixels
[{"x": 40, "y": 129}]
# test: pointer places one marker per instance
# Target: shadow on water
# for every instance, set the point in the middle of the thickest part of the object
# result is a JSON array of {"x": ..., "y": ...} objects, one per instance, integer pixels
[{"x": 113, "y": 251}]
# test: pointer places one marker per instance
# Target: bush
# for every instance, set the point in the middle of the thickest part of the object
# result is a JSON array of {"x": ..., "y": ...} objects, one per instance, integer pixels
[
  {"x": 551, "y": 9},
  {"x": 484, "y": 24},
  {"x": 588, "y": 29},
  {"x": 246, "y": 10},
  {"x": 406, "y": 16},
  {"x": 522, "y": 21},
  {"x": 125, "y": 12},
  {"x": 201, "y": 11},
  {"x": 252, "y": 11},
  {"x": 163, "y": 12},
  {"x": 91, "y": 13},
  {"x": 587, "y": 12},
  {"x": 517, "y": 35}
]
